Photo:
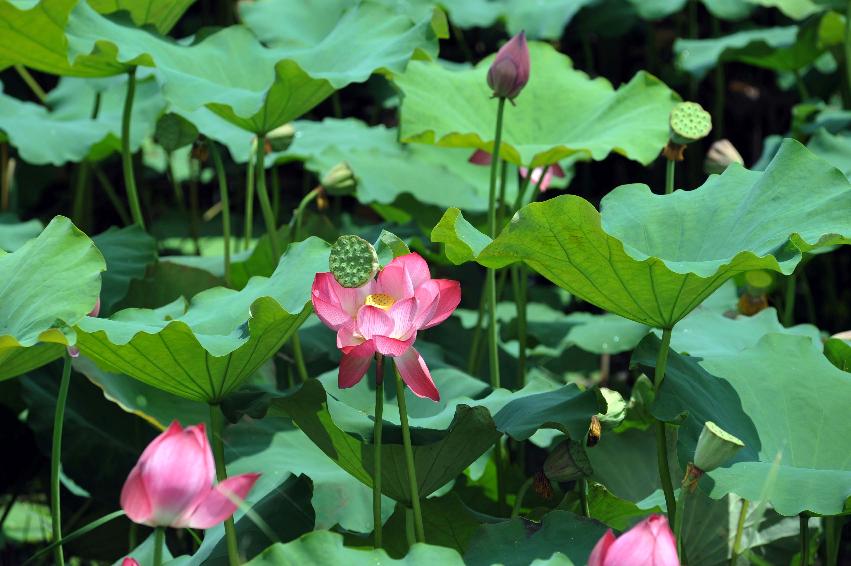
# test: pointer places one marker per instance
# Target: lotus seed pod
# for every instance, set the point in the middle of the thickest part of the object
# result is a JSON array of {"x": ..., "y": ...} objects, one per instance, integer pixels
[
  {"x": 615, "y": 408},
  {"x": 721, "y": 155},
  {"x": 689, "y": 122},
  {"x": 339, "y": 179},
  {"x": 280, "y": 138},
  {"x": 715, "y": 447},
  {"x": 353, "y": 261},
  {"x": 567, "y": 462}
]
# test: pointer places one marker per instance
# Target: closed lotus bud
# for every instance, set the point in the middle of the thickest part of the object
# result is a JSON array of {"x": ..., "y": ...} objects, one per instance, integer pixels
[
  {"x": 509, "y": 72},
  {"x": 721, "y": 155},
  {"x": 280, "y": 138},
  {"x": 567, "y": 462},
  {"x": 129, "y": 562},
  {"x": 339, "y": 179},
  {"x": 715, "y": 447}
]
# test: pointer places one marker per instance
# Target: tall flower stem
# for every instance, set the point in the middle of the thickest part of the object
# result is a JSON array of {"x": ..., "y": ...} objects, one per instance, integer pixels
[
  {"x": 32, "y": 83},
  {"x": 112, "y": 195},
  {"x": 740, "y": 527},
  {"x": 249, "y": 195},
  {"x": 265, "y": 203},
  {"x": 789, "y": 302},
  {"x": 661, "y": 436},
  {"x": 223, "y": 192},
  {"x": 493, "y": 328},
  {"x": 669, "y": 176},
  {"x": 126, "y": 155},
  {"x": 519, "y": 279},
  {"x": 159, "y": 543},
  {"x": 56, "y": 457},
  {"x": 803, "y": 521},
  {"x": 582, "y": 490},
  {"x": 409, "y": 459},
  {"x": 81, "y": 189},
  {"x": 376, "y": 440},
  {"x": 217, "y": 429}
]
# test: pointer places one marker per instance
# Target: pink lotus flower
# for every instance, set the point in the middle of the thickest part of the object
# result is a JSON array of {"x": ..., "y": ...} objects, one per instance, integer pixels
[
  {"x": 649, "y": 543},
  {"x": 481, "y": 157},
  {"x": 172, "y": 483},
  {"x": 129, "y": 562},
  {"x": 383, "y": 317},
  {"x": 509, "y": 72}
]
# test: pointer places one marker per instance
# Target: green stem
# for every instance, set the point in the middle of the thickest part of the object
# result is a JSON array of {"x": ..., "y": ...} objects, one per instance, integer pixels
[
  {"x": 805, "y": 539},
  {"x": 582, "y": 489},
  {"x": 249, "y": 195},
  {"x": 740, "y": 528},
  {"x": 409, "y": 459},
  {"x": 337, "y": 104},
  {"x": 217, "y": 429},
  {"x": 32, "y": 83},
  {"x": 266, "y": 204},
  {"x": 376, "y": 440},
  {"x": 500, "y": 206},
  {"x": 661, "y": 440},
  {"x": 85, "y": 529},
  {"x": 720, "y": 88},
  {"x": 473, "y": 360},
  {"x": 194, "y": 207},
  {"x": 80, "y": 185},
  {"x": 159, "y": 543},
  {"x": 126, "y": 155},
  {"x": 276, "y": 192},
  {"x": 56, "y": 457},
  {"x": 803, "y": 92},
  {"x": 669, "y": 176},
  {"x": 789, "y": 302},
  {"x": 833, "y": 538},
  {"x": 298, "y": 356},
  {"x": 679, "y": 517},
  {"x": 223, "y": 192},
  {"x": 112, "y": 195},
  {"x": 298, "y": 216},
  {"x": 521, "y": 494},
  {"x": 521, "y": 192}
]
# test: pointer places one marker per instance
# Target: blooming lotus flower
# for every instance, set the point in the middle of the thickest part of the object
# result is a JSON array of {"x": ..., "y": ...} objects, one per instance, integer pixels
[
  {"x": 649, "y": 543},
  {"x": 129, "y": 561},
  {"x": 383, "y": 317},
  {"x": 481, "y": 157},
  {"x": 509, "y": 72},
  {"x": 172, "y": 483}
]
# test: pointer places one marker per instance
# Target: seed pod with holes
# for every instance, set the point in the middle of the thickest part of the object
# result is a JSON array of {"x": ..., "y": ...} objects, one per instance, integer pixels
[{"x": 353, "y": 261}]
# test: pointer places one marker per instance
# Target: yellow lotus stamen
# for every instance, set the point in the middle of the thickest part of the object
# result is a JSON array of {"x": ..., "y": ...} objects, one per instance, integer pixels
[{"x": 380, "y": 300}]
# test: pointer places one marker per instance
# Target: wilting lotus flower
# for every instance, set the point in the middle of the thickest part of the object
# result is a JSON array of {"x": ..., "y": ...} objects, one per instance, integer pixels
[
  {"x": 721, "y": 155},
  {"x": 509, "y": 72},
  {"x": 649, "y": 543},
  {"x": 481, "y": 157},
  {"x": 383, "y": 317},
  {"x": 172, "y": 483}
]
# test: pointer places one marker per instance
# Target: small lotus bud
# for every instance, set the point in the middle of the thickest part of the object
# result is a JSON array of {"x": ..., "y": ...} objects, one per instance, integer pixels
[
  {"x": 480, "y": 157},
  {"x": 353, "y": 261},
  {"x": 715, "y": 447},
  {"x": 567, "y": 462},
  {"x": 509, "y": 72},
  {"x": 339, "y": 179},
  {"x": 280, "y": 138},
  {"x": 721, "y": 155},
  {"x": 689, "y": 122}
]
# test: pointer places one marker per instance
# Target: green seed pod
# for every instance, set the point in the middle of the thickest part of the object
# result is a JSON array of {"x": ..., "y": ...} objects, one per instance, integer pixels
[
  {"x": 353, "y": 261},
  {"x": 689, "y": 122},
  {"x": 340, "y": 179},
  {"x": 567, "y": 462},
  {"x": 715, "y": 447}
]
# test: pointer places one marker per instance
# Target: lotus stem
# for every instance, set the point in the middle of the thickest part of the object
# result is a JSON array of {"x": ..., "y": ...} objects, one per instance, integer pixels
[
  {"x": 500, "y": 207},
  {"x": 249, "y": 195},
  {"x": 32, "y": 83},
  {"x": 126, "y": 156},
  {"x": 85, "y": 529},
  {"x": 223, "y": 192},
  {"x": 276, "y": 192},
  {"x": 265, "y": 203},
  {"x": 419, "y": 529},
  {"x": 194, "y": 206},
  {"x": 217, "y": 429},
  {"x": 519, "y": 278},
  {"x": 669, "y": 176},
  {"x": 376, "y": 439},
  {"x": 805, "y": 539},
  {"x": 521, "y": 494},
  {"x": 159, "y": 543},
  {"x": 661, "y": 437},
  {"x": 582, "y": 489},
  {"x": 789, "y": 302},
  {"x": 56, "y": 457},
  {"x": 679, "y": 517},
  {"x": 112, "y": 195},
  {"x": 740, "y": 527},
  {"x": 832, "y": 538},
  {"x": 82, "y": 181}
]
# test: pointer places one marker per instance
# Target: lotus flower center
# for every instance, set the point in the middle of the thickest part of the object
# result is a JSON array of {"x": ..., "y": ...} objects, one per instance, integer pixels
[{"x": 380, "y": 300}]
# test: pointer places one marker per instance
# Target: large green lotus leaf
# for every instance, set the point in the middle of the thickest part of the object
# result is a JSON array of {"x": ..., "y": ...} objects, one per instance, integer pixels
[
  {"x": 205, "y": 349},
  {"x": 324, "y": 547},
  {"x": 47, "y": 286},
  {"x": 795, "y": 9},
  {"x": 439, "y": 456},
  {"x": 14, "y": 234},
  {"x": 567, "y": 409},
  {"x": 723, "y": 9},
  {"x": 519, "y": 542},
  {"x": 540, "y": 19},
  {"x": 18, "y": 361},
  {"x": 789, "y": 425},
  {"x": 834, "y": 148},
  {"x": 454, "y": 108},
  {"x": 654, "y": 258},
  {"x": 128, "y": 252},
  {"x": 162, "y": 14}
]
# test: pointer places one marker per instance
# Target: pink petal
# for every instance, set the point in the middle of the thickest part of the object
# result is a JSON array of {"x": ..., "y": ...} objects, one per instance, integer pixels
[
  {"x": 598, "y": 555},
  {"x": 416, "y": 266},
  {"x": 402, "y": 314},
  {"x": 395, "y": 280},
  {"x": 392, "y": 346},
  {"x": 221, "y": 501},
  {"x": 355, "y": 363},
  {"x": 556, "y": 170},
  {"x": 480, "y": 157},
  {"x": 347, "y": 339},
  {"x": 373, "y": 321},
  {"x": 428, "y": 299},
  {"x": 129, "y": 562},
  {"x": 334, "y": 304},
  {"x": 134, "y": 498},
  {"x": 447, "y": 302},
  {"x": 649, "y": 543},
  {"x": 415, "y": 374},
  {"x": 95, "y": 309}
]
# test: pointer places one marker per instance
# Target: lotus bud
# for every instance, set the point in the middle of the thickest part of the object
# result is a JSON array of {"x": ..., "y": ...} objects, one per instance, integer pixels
[
  {"x": 509, "y": 72},
  {"x": 353, "y": 261},
  {"x": 280, "y": 139},
  {"x": 95, "y": 309},
  {"x": 567, "y": 462},
  {"x": 339, "y": 179},
  {"x": 480, "y": 157},
  {"x": 129, "y": 562},
  {"x": 715, "y": 447},
  {"x": 721, "y": 155}
]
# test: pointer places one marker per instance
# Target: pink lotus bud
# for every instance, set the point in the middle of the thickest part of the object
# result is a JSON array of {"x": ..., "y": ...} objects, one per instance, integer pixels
[
  {"x": 96, "y": 309},
  {"x": 649, "y": 543},
  {"x": 480, "y": 157},
  {"x": 509, "y": 71},
  {"x": 172, "y": 483},
  {"x": 129, "y": 562}
]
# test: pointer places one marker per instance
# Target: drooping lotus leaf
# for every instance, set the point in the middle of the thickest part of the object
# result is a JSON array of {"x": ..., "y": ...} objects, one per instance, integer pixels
[
  {"x": 463, "y": 242},
  {"x": 788, "y": 423},
  {"x": 440, "y": 458},
  {"x": 204, "y": 349},
  {"x": 542, "y": 19},
  {"x": 567, "y": 409},
  {"x": 46, "y": 287},
  {"x": 560, "y": 112},
  {"x": 653, "y": 258},
  {"x": 324, "y": 547}
]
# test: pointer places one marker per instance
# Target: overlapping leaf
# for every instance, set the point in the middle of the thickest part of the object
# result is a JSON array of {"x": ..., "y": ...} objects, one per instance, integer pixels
[
  {"x": 540, "y": 19},
  {"x": 205, "y": 349},
  {"x": 454, "y": 108}
]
